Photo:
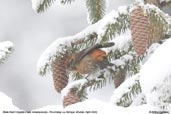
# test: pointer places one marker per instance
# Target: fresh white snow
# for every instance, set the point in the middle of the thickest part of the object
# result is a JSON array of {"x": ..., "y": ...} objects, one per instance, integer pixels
[
  {"x": 98, "y": 107},
  {"x": 87, "y": 107},
  {"x": 78, "y": 84},
  {"x": 124, "y": 88},
  {"x": 6, "y": 104},
  {"x": 155, "y": 75},
  {"x": 157, "y": 68},
  {"x": 36, "y": 4},
  {"x": 110, "y": 18},
  {"x": 122, "y": 42}
]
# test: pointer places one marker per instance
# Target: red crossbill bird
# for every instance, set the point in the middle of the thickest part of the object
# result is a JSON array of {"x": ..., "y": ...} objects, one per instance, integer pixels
[{"x": 90, "y": 60}]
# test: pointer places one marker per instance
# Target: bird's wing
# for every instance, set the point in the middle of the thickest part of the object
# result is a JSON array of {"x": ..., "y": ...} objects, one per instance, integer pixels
[{"x": 90, "y": 49}]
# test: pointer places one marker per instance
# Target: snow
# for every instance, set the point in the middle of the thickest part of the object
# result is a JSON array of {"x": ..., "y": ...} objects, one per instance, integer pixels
[
  {"x": 122, "y": 61},
  {"x": 162, "y": 16},
  {"x": 157, "y": 68},
  {"x": 5, "y": 49},
  {"x": 124, "y": 88},
  {"x": 155, "y": 75},
  {"x": 99, "y": 107},
  {"x": 88, "y": 107},
  {"x": 93, "y": 106},
  {"x": 152, "y": 10},
  {"x": 89, "y": 18},
  {"x": 111, "y": 18},
  {"x": 49, "y": 54},
  {"x": 78, "y": 84},
  {"x": 36, "y": 4},
  {"x": 122, "y": 41},
  {"x": 96, "y": 106},
  {"x": 161, "y": 96},
  {"x": 150, "y": 51},
  {"x": 139, "y": 1},
  {"x": 6, "y": 103},
  {"x": 164, "y": 1},
  {"x": 123, "y": 9},
  {"x": 118, "y": 62},
  {"x": 139, "y": 100}
]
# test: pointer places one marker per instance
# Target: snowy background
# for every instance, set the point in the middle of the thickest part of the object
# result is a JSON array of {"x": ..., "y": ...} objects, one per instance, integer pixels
[{"x": 31, "y": 34}]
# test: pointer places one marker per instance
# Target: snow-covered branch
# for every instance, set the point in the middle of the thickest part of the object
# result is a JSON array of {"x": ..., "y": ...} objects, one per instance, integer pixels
[
  {"x": 61, "y": 45},
  {"x": 156, "y": 16},
  {"x": 164, "y": 3},
  {"x": 114, "y": 23},
  {"x": 127, "y": 92},
  {"x": 6, "y": 48},
  {"x": 94, "y": 14},
  {"x": 76, "y": 84},
  {"x": 42, "y": 5},
  {"x": 86, "y": 38}
]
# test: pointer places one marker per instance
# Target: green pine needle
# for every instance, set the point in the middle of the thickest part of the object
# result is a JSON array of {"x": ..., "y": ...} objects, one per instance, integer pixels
[
  {"x": 96, "y": 10},
  {"x": 47, "y": 3},
  {"x": 44, "y": 5},
  {"x": 67, "y": 1},
  {"x": 116, "y": 28},
  {"x": 128, "y": 97}
]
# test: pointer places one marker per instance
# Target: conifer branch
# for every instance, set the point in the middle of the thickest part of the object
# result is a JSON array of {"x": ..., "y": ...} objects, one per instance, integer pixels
[
  {"x": 159, "y": 18},
  {"x": 154, "y": 2},
  {"x": 44, "y": 5},
  {"x": 64, "y": 47},
  {"x": 79, "y": 86},
  {"x": 6, "y": 49},
  {"x": 96, "y": 10},
  {"x": 127, "y": 92},
  {"x": 66, "y": 1},
  {"x": 159, "y": 3},
  {"x": 165, "y": 3},
  {"x": 118, "y": 23}
]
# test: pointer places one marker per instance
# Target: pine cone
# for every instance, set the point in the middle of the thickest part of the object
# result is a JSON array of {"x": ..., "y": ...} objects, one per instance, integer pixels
[
  {"x": 59, "y": 74},
  {"x": 139, "y": 30},
  {"x": 120, "y": 78},
  {"x": 71, "y": 98}
]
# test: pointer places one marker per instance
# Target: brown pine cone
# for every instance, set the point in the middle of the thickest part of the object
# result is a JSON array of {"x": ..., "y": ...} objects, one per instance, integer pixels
[
  {"x": 120, "y": 78},
  {"x": 139, "y": 30},
  {"x": 71, "y": 98},
  {"x": 59, "y": 74}
]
